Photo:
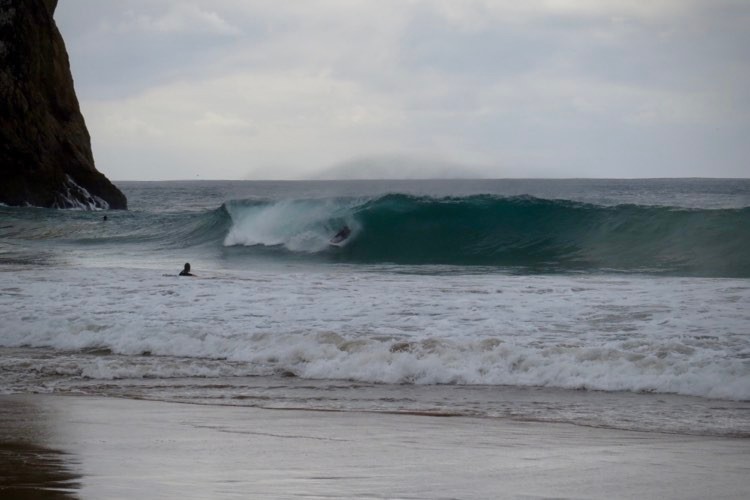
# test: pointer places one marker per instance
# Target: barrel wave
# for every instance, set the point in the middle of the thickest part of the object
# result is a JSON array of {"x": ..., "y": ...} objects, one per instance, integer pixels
[{"x": 525, "y": 232}]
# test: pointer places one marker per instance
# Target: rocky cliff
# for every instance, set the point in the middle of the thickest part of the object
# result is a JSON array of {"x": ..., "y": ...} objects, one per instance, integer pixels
[{"x": 45, "y": 148}]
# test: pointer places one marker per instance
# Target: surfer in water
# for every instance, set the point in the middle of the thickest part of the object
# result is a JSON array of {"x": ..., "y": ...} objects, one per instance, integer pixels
[
  {"x": 186, "y": 270},
  {"x": 341, "y": 235}
]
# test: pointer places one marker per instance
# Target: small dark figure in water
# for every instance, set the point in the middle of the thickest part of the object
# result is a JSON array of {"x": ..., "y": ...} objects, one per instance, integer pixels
[
  {"x": 341, "y": 235},
  {"x": 105, "y": 219},
  {"x": 186, "y": 270}
]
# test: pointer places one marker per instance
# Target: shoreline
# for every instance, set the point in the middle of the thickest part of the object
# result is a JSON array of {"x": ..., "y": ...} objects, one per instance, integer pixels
[{"x": 106, "y": 447}]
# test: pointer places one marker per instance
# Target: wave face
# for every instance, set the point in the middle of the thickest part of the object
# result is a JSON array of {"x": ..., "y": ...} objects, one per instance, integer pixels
[
  {"x": 541, "y": 234},
  {"x": 521, "y": 233}
]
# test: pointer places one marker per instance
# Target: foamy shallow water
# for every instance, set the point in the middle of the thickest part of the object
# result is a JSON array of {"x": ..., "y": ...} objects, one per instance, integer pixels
[{"x": 297, "y": 336}]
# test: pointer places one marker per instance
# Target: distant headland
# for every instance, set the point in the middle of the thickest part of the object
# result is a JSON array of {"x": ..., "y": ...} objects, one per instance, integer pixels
[{"x": 45, "y": 148}]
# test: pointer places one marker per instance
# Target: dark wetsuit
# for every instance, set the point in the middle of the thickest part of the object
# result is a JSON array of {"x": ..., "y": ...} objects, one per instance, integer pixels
[{"x": 342, "y": 235}]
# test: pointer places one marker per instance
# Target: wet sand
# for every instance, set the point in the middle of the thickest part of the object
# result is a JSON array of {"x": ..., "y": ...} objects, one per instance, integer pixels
[{"x": 91, "y": 447}]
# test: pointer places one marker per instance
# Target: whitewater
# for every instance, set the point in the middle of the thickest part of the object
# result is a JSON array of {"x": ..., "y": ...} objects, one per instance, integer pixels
[{"x": 610, "y": 303}]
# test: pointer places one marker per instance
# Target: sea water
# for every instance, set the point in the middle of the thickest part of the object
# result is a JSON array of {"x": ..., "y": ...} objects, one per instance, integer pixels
[{"x": 616, "y": 303}]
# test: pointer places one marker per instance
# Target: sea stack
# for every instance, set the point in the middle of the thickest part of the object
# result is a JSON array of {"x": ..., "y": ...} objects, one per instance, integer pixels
[{"x": 45, "y": 148}]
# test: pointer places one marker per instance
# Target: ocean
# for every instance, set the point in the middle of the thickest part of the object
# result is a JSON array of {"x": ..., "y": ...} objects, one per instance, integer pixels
[{"x": 611, "y": 303}]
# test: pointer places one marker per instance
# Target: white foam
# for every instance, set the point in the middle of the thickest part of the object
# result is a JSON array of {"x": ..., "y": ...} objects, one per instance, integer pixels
[
  {"x": 299, "y": 225},
  {"x": 684, "y": 336},
  {"x": 73, "y": 195}
]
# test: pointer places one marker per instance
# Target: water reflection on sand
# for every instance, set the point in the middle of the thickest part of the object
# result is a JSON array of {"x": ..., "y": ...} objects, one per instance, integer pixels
[{"x": 29, "y": 467}]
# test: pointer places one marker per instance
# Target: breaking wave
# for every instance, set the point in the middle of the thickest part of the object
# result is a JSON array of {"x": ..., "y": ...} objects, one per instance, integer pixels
[
  {"x": 550, "y": 235},
  {"x": 533, "y": 234}
]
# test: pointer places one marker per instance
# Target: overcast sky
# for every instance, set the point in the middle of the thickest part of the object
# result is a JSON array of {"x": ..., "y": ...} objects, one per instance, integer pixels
[{"x": 283, "y": 89}]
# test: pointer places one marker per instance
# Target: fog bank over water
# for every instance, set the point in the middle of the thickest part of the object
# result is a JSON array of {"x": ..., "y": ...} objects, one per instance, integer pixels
[{"x": 396, "y": 167}]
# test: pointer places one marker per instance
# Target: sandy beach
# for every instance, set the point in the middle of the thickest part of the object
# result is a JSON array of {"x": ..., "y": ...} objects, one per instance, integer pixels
[{"x": 92, "y": 447}]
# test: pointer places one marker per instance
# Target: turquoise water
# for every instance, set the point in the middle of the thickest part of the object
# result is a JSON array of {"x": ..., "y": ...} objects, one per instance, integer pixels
[{"x": 675, "y": 227}]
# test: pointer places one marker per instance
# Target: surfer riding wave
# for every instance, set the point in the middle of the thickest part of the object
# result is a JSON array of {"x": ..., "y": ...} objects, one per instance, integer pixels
[{"x": 342, "y": 235}]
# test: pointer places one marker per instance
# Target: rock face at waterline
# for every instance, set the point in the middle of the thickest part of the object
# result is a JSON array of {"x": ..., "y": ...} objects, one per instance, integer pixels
[{"x": 45, "y": 148}]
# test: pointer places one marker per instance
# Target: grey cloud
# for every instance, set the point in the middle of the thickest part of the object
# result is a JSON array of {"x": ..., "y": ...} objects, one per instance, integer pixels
[
  {"x": 610, "y": 88},
  {"x": 123, "y": 48}
]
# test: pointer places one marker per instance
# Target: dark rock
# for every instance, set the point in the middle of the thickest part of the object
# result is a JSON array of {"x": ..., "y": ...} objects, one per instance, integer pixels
[{"x": 45, "y": 148}]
